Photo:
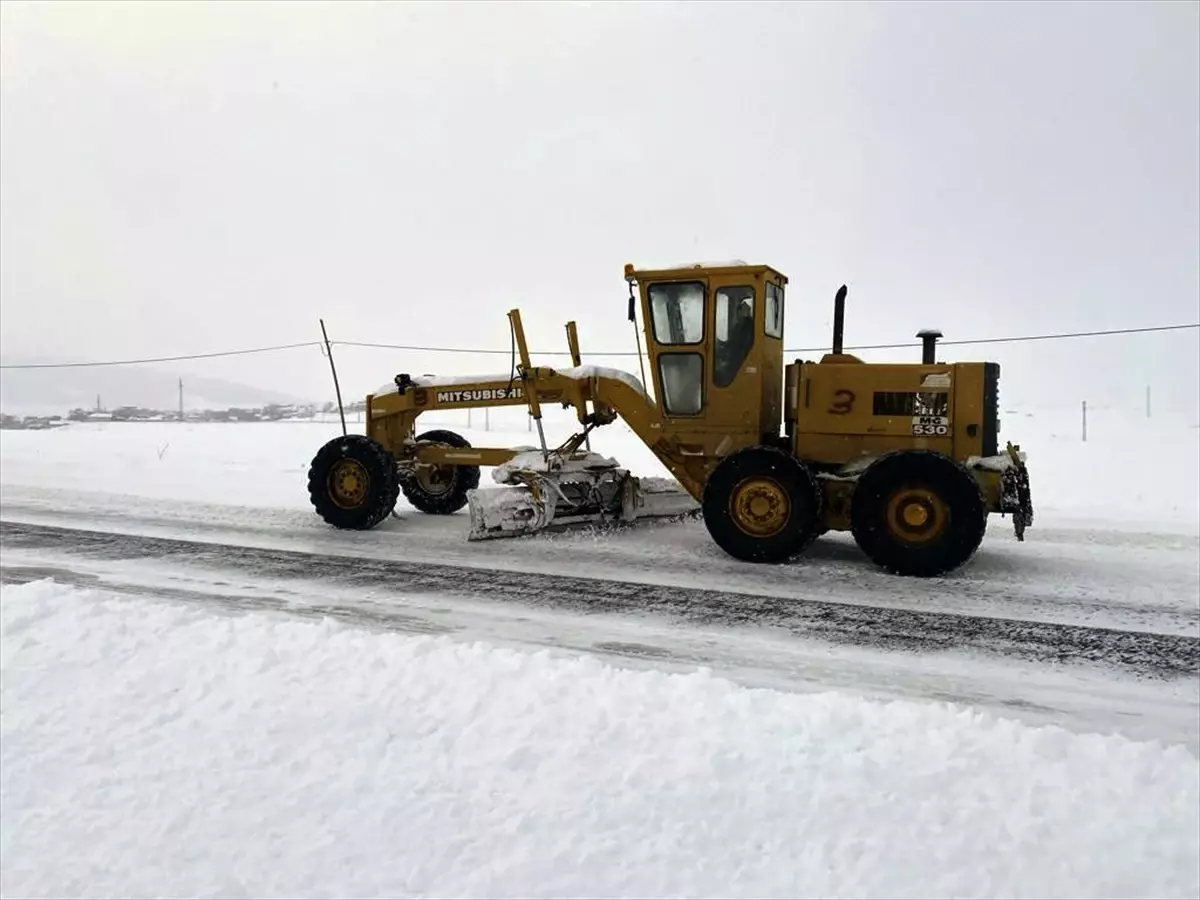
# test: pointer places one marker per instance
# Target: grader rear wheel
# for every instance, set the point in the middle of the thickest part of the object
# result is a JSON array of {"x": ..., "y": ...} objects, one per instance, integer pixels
[
  {"x": 441, "y": 490},
  {"x": 759, "y": 506},
  {"x": 917, "y": 512},
  {"x": 353, "y": 482},
  {"x": 762, "y": 505}
]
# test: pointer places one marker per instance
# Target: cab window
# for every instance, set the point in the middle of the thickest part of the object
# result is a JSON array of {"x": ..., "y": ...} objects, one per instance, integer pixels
[
  {"x": 682, "y": 378},
  {"x": 774, "y": 311},
  {"x": 677, "y": 312},
  {"x": 733, "y": 332}
]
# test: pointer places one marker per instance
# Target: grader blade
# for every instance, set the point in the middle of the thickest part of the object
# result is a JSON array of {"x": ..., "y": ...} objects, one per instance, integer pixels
[{"x": 561, "y": 491}]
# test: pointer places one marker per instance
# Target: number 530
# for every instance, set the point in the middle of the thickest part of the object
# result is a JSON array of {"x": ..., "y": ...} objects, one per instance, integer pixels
[{"x": 931, "y": 430}]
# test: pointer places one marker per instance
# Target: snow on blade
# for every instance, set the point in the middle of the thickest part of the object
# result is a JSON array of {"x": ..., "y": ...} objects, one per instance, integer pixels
[
  {"x": 531, "y": 459},
  {"x": 155, "y": 750}
]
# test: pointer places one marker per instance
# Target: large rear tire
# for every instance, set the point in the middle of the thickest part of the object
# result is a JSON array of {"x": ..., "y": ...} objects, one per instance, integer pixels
[
  {"x": 353, "y": 482},
  {"x": 440, "y": 490},
  {"x": 761, "y": 504},
  {"x": 918, "y": 513}
]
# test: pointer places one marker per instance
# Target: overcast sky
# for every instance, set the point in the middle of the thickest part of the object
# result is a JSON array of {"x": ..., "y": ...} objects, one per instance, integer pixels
[{"x": 188, "y": 177}]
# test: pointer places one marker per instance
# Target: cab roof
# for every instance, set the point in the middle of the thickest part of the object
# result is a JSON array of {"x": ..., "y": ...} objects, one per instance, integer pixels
[{"x": 686, "y": 270}]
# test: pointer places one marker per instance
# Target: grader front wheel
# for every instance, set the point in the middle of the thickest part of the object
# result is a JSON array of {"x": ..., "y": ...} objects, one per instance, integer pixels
[
  {"x": 917, "y": 512},
  {"x": 762, "y": 505},
  {"x": 353, "y": 482}
]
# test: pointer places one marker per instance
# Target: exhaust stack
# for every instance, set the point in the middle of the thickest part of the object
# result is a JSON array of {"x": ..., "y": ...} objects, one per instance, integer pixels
[
  {"x": 839, "y": 319},
  {"x": 929, "y": 338}
]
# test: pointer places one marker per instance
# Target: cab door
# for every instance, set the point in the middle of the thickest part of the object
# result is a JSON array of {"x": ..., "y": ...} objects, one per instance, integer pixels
[
  {"x": 706, "y": 347},
  {"x": 734, "y": 378},
  {"x": 678, "y": 339}
]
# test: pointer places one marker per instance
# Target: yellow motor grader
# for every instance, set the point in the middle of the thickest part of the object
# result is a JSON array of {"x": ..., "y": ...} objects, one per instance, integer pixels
[{"x": 905, "y": 456}]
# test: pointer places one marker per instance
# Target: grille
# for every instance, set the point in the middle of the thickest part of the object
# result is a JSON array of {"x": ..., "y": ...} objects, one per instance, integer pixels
[{"x": 991, "y": 409}]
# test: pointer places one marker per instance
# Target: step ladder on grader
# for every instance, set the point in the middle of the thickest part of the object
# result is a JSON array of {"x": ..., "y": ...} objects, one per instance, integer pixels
[{"x": 904, "y": 456}]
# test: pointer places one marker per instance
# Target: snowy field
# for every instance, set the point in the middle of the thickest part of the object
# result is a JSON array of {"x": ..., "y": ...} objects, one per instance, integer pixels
[
  {"x": 164, "y": 734},
  {"x": 1132, "y": 473}
]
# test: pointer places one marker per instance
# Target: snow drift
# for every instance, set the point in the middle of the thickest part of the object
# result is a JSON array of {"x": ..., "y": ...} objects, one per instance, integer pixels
[{"x": 155, "y": 750}]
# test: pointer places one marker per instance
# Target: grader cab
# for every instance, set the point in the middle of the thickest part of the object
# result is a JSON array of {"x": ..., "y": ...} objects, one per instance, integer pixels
[{"x": 905, "y": 456}]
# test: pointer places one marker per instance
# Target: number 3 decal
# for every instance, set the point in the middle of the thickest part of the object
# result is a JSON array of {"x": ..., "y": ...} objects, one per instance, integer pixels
[{"x": 843, "y": 402}]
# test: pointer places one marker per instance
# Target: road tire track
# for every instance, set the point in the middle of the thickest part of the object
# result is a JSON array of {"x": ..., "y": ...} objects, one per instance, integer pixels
[{"x": 1145, "y": 654}]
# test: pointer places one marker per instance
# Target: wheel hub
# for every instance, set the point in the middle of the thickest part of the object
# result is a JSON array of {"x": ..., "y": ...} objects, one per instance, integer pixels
[
  {"x": 916, "y": 515},
  {"x": 348, "y": 483},
  {"x": 759, "y": 506},
  {"x": 435, "y": 479}
]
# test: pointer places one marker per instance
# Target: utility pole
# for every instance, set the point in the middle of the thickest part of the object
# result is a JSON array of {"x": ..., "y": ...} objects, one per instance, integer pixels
[
  {"x": 1085, "y": 421},
  {"x": 180, "y": 399}
]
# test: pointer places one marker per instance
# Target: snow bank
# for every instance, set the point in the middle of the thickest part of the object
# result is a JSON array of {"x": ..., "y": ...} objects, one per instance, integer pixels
[{"x": 154, "y": 750}]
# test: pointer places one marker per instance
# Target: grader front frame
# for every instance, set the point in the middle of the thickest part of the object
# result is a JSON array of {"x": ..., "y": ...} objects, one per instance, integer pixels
[
  {"x": 439, "y": 471},
  {"x": 771, "y": 455}
]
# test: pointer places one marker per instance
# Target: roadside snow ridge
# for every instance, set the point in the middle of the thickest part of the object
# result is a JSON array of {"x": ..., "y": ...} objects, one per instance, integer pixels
[{"x": 151, "y": 749}]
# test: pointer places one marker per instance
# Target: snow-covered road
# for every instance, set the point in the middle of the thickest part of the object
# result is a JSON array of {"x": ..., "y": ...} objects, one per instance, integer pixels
[
  {"x": 1140, "y": 652},
  {"x": 1092, "y": 577},
  {"x": 1139, "y": 683}
]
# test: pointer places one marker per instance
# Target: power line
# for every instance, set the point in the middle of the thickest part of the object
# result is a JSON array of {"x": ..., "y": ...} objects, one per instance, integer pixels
[
  {"x": 621, "y": 353},
  {"x": 505, "y": 352},
  {"x": 1013, "y": 340},
  {"x": 906, "y": 345},
  {"x": 158, "y": 359}
]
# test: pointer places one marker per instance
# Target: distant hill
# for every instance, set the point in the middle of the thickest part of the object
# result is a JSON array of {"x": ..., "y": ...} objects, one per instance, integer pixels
[{"x": 56, "y": 391}]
